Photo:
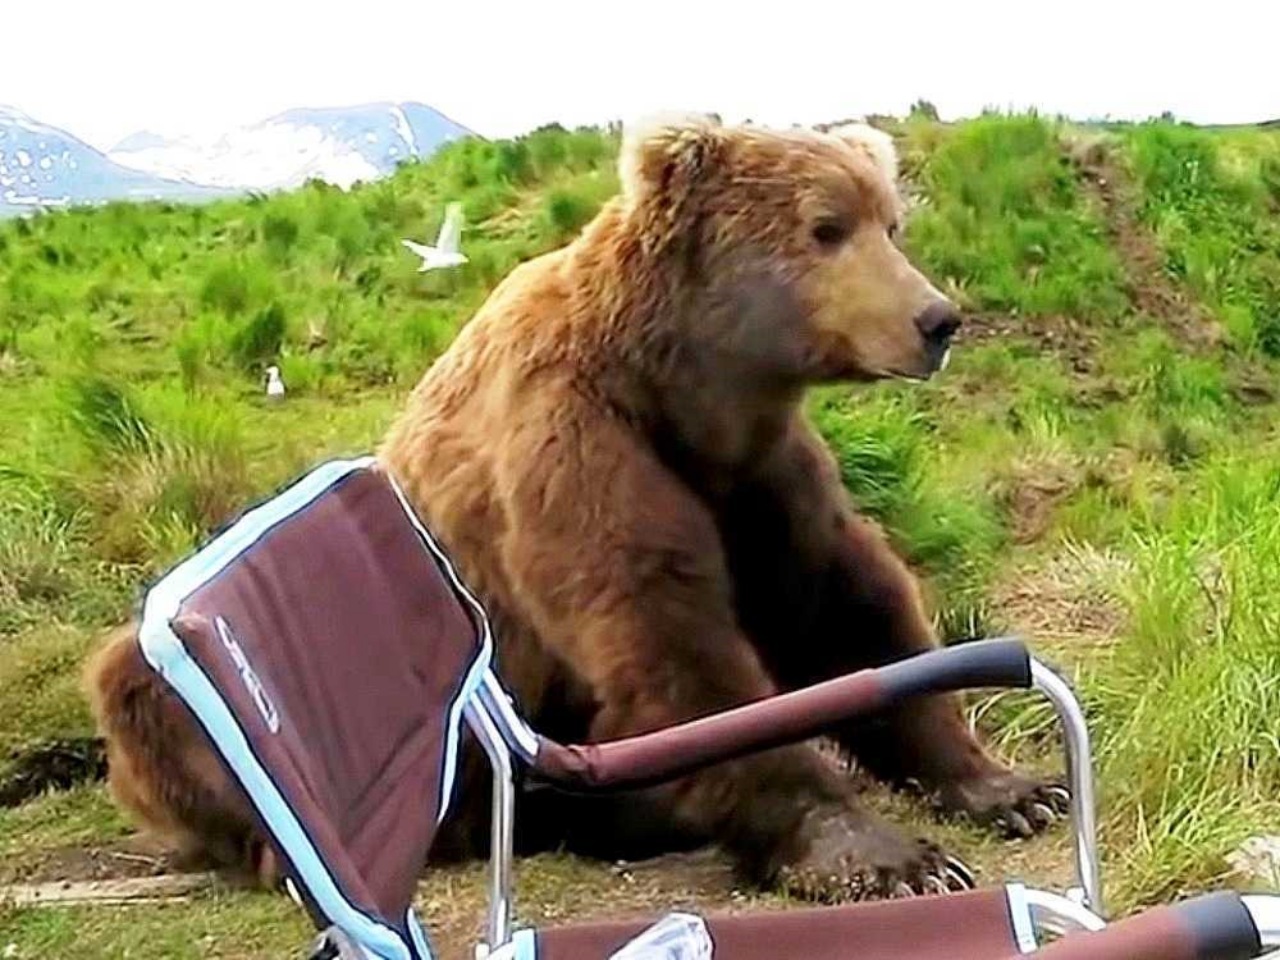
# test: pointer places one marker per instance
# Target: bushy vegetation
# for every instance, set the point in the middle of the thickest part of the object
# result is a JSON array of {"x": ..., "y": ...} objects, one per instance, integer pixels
[
  {"x": 1080, "y": 473},
  {"x": 1002, "y": 222}
]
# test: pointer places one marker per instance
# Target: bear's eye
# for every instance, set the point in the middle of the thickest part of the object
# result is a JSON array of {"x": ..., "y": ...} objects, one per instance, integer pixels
[
  {"x": 894, "y": 231},
  {"x": 830, "y": 233}
]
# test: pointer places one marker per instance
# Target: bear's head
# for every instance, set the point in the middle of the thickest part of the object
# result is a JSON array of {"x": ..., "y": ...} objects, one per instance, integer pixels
[{"x": 782, "y": 247}]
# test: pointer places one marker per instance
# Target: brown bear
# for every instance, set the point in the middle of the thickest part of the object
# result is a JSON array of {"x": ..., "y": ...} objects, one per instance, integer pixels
[{"x": 614, "y": 452}]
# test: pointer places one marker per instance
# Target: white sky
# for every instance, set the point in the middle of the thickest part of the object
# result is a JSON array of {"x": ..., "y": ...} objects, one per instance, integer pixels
[{"x": 106, "y": 68}]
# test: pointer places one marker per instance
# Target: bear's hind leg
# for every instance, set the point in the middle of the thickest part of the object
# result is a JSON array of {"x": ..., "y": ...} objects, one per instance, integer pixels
[{"x": 163, "y": 772}]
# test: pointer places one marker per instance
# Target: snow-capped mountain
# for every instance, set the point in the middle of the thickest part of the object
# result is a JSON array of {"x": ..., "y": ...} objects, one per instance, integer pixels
[
  {"x": 341, "y": 145},
  {"x": 42, "y": 166}
]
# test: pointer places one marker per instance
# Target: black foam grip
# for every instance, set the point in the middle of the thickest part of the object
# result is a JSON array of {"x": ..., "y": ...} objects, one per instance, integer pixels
[
  {"x": 1003, "y": 663},
  {"x": 1222, "y": 925}
]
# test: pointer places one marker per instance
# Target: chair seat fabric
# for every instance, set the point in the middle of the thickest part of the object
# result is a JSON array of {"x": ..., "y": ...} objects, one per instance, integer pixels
[{"x": 979, "y": 925}]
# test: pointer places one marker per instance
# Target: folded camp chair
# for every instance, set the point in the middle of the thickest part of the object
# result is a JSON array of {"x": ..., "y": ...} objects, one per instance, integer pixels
[{"x": 331, "y": 652}]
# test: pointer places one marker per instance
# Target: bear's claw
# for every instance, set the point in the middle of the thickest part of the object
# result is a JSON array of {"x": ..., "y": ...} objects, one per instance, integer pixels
[
  {"x": 1016, "y": 805},
  {"x": 851, "y": 856},
  {"x": 959, "y": 873}
]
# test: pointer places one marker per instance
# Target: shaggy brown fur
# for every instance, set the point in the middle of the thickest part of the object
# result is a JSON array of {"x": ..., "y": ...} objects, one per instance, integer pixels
[{"x": 614, "y": 451}]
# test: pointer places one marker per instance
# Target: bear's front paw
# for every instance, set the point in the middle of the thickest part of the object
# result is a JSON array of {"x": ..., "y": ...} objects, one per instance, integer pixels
[
  {"x": 849, "y": 855},
  {"x": 1014, "y": 804}
]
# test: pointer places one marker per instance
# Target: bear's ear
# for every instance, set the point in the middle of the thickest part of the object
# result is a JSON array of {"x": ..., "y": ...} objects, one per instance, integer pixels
[
  {"x": 875, "y": 143},
  {"x": 666, "y": 154}
]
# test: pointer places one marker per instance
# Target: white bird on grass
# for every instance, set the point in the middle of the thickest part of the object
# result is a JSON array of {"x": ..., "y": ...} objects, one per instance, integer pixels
[
  {"x": 275, "y": 386},
  {"x": 445, "y": 253}
]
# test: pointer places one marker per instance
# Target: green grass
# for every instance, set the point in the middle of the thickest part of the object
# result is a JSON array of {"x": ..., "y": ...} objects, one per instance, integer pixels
[
  {"x": 1190, "y": 703},
  {"x": 230, "y": 925},
  {"x": 1213, "y": 201},
  {"x": 888, "y": 460},
  {"x": 1030, "y": 490},
  {"x": 1004, "y": 225},
  {"x": 80, "y": 815},
  {"x": 40, "y": 677}
]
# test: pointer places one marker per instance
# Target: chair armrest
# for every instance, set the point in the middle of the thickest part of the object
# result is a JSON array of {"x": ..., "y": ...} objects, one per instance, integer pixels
[{"x": 786, "y": 718}]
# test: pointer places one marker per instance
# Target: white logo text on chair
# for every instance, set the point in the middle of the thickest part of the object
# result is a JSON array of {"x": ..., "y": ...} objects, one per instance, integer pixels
[{"x": 247, "y": 676}]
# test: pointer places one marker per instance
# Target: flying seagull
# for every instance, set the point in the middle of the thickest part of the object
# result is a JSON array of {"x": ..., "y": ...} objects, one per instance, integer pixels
[{"x": 445, "y": 253}]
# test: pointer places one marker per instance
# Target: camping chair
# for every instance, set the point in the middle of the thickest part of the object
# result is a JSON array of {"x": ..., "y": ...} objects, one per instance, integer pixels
[{"x": 332, "y": 654}]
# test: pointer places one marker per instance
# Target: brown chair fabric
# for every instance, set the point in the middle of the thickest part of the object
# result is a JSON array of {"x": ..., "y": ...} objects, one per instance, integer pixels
[
  {"x": 339, "y": 645},
  {"x": 1154, "y": 935},
  {"x": 968, "y": 926},
  {"x": 1215, "y": 926}
]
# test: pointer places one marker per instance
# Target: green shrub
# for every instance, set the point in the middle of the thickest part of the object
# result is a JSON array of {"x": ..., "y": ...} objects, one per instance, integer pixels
[
  {"x": 235, "y": 285},
  {"x": 257, "y": 341},
  {"x": 568, "y": 209},
  {"x": 280, "y": 233},
  {"x": 1005, "y": 225}
]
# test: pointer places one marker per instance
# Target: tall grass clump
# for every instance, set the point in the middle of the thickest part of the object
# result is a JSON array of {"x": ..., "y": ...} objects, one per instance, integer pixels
[
  {"x": 159, "y": 479},
  {"x": 235, "y": 285},
  {"x": 279, "y": 233},
  {"x": 1003, "y": 222},
  {"x": 47, "y": 570},
  {"x": 257, "y": 341},
  {"x": 1189, "y": 705},
  {"x": 1182, "y": 403},
  {"x": 1213, "y": 206}
]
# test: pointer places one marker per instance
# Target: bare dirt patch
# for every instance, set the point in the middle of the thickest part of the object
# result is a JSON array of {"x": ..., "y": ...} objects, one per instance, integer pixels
[
  {"x": 133, "y": 856},
  {"x": 1075, "y": 340}
]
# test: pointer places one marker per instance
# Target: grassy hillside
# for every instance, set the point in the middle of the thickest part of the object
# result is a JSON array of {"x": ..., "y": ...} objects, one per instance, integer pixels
[{"x": 1099, "y": 467}]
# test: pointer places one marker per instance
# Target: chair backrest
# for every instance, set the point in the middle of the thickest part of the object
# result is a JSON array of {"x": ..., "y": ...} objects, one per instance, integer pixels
[{"x": 327, "y": 647}]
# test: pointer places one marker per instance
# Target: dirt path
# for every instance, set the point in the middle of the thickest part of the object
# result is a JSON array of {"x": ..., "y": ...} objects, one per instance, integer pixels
[
  {"x": 1150, "y": 288},
  {"x": 550, "y": 889},
  {"x": 125, "y": 859}
]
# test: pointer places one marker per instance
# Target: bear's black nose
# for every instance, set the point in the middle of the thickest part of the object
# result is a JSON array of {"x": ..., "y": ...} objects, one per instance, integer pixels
[{"x": 938, "y": 323}]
